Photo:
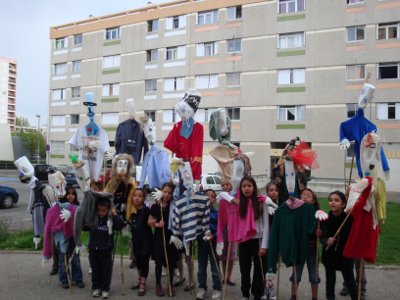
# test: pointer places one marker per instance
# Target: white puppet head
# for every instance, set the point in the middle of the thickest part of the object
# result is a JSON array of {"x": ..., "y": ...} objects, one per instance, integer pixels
[
  {"x": 24, "y": 166},
  {"x": 187, "y": 177},
  {"x": 122, "y": 165},
  {"x": 188, "y": 105},
  {"x": 90, "y": 104},
  {"x": 57, "y": 182},
  {"x": 130, "y": 105},
  {"x": 367, "y": 93},
  {"x": 149, "y": 130}
]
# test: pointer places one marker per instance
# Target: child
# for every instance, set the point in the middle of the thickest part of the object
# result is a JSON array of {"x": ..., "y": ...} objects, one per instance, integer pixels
[
  {"x": 226, "y": 186},
  {"x": 158, "y": 219},
  {"x": 332, "y": 258},
  {"x": 206, "y": 247},
  {"x": 252, "y": 237},
  {"x": 142, "y": 237},
  {"x": 308, "y": 196},
  {"x": 101, "y": 244}
]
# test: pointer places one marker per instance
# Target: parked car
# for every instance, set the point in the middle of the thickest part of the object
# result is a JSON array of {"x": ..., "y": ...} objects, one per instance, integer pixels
[
  {"x": 8, "y": 196},
  {"x": 69, "y": 174},
  {"x": 210, "y": 181}
]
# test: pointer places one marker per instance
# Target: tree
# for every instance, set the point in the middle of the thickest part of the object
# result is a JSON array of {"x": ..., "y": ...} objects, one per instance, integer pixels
[
  {"x": 30, "y": 141},
  {"x": 21, "y": 121}
]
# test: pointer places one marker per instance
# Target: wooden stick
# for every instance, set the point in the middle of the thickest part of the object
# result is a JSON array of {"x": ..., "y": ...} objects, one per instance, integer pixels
[
  {"x": 192, "y": 267},
  {"x": 67, "y": 271},
  {"x": 295, "y": 280},
  {"x": 317, "y": 254},
  {"x": 341, "y": 226},
  {"x": 215, "y": 260},
  {"x": 122, "y": 267},
  {"x": 166, "y": 253},
  {"x": 226, "y": 271},
  {"x": 351, "y": 170},
  {"x": 278, "y": 277},
  {"x": 359, "y": 278}
]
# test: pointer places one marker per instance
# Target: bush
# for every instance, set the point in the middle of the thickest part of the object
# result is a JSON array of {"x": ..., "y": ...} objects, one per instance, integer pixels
[{"x": 4, "y": 231}]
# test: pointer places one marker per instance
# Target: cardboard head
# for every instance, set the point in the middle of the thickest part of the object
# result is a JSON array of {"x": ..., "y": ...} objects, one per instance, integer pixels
[
  {"x": 24, "y": 166},
  {"x": 57, "y": 182}
]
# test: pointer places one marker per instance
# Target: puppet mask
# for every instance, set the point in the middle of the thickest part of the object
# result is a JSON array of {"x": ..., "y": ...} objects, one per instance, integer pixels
[
  {"x": 187, "y": 177},
  {"x": 24, "y": 166},
  {"x": 184, "y": 110},
  {"x": 90, "y": 104},
  {"x": 188, "y": 105},
  {"x": 57, "y": 182},
  {"x": 367, "y": 93},
  {"x": 122, "y": 167},
  {"x": 150, "y": 131}
]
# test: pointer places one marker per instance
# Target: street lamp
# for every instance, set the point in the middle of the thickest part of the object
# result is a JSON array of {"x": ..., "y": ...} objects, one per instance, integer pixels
[{"x": 38, "y": 141}]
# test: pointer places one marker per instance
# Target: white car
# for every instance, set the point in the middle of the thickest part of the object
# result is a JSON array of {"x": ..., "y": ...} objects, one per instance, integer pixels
[{"x": 210, "y": 181}]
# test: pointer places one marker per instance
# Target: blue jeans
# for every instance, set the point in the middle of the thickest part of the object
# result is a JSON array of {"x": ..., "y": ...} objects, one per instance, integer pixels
[
  {"x": 75, "y": 268},
  {"x": 311, "y": 266},
  {"x": 204, "y": 253}
]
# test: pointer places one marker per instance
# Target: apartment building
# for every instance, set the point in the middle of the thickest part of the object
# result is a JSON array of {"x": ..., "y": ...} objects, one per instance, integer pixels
[
  {"x": 282, "y": 69},
  {"x": 8, "y": 89}
]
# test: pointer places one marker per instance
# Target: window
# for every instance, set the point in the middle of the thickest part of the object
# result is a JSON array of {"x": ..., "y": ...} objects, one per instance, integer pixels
[
  {"x": 291, "y": 40},
  {"x": 207, "y": 49},
  {"x": 151, "y": 114},
  {"x": 355, "y": 72},
  {"x": 354, "y": 1},
  {"x": 355, "y": 33},
  {"x": 58, "y": 120},
  {"x": 233, "y": 113},
  {"x": 200, "y": 115},
  {"x": 151, "y": 55},
  {"x": 111, "y": 89},
  {"x": 112, "y": 61},
  {"x": 61, "y": 43},
  {"x": 112, "y": 33},
  {"x": 76, "y": 66},
  {"x": 109, "y": 118},
  {"x": 175, "y": 22},
  {"x": 152, "y": 26},
  {"x": 59, "y": 94},
  {"x": 76, "y": 92},
  {"x": 233, "y": 79},
  {"x": 206, "y": 81},
  {"x": 234, "y": 45},
  {"x": 57, "y": 147},
  {"x": 174, "y": 84},
  {"x": 168, "y": 116},
  {"x": 351, "y": 109},
  {"x": 291, "y": 76},
  {"x": 150, "y": 85},
  {"x": 78, "y": 39},
  {"x": 175, "y": 53},
  {"x": 235, "y": 12},
  {"x": 388, "y": 111},
  {"x": 290, "y": 6},
  {"x": 207, "y": 17},
  {"x": 291, "y": 113},
  {"x": 74, "y": 119},
  {"x": 60, "y": 69},
  {"x": 388, "y": 31},
  {"x": 350, "y": 152},
  {"x": 388, "y": 71}
]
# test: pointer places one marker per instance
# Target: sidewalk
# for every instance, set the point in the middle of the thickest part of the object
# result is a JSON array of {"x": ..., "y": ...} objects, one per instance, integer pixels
[{"x": 22, "y": 277}]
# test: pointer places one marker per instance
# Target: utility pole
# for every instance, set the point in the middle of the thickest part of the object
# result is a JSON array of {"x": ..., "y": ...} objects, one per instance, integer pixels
[{"x": 38, "y": 141}]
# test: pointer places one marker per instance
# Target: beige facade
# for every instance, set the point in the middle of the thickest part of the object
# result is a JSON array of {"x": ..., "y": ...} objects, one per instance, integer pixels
[
  {"x": 282, "y": 68},
  {"x": 8, "y": 90}
]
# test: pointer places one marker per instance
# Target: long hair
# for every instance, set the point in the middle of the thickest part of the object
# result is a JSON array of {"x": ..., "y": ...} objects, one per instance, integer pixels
[
  {"x": 67, "y": 189},
  {"x": 115, "y": 181},
  {"x": 257, "y": 207}
]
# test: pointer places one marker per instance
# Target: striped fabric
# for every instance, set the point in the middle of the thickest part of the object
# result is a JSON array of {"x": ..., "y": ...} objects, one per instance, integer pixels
[{"x": 193, "y": 220}]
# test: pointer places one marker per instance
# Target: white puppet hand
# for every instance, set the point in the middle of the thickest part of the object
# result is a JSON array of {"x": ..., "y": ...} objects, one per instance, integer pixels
[
  {"x": 65, "y": 215},
  {"x": 176, "y": 241},
  {"x": 207, "y": 236},
  {"x": 36, "y": 241},
  {"x": 95, "y": 144},
  {"x": 45, "y": 261},
  {"x": 109, "y": 155},
  {"x": 32, "y": 182},
  {"x": 344, "y": 144},
  {"x": 271, "y": 206},
  {"x": 271, "y": 210},
  {"x": 187, "y": 249},
  {"x": 219, "y": 248},
  {"x": 157, "y": 195},
  {"x": 225, "y": 196},
  {"x": 321, "y": 215}
]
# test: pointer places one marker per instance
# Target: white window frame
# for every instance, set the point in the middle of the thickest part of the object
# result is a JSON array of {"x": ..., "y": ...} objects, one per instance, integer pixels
[
  {"x": 58, "y": 120},
  {"x": 351, "y": 109},
  {"x": 57, "y": 147},
  {"x": 355, "y": 72},
  {"x": 111, "y": 61},
  {"x": 76, "y": 66},
  {"x": 386, "y": 27},
  {"x": 234, "y": 12},
  {"x": 151, "y": 55},
  {"x": 113, "y": 33},
  {"x": 78, "y": 39},
  {"x": 352, "y": 33},
  {"x": 200, "y": 115},
  {"x": 234, "y": 45},
  {"x": 60, "y": 69},
  {"x": 171, "y": 53},
  {"x": 233, "y": 113},
  {"x": 283, "y": 111},
  {"x": 175, "y": 22},
  {"x": 383, "y": 110},
  {"x": 73, "y": 89},
  {"x": 150, "y": 85},
  {"x": 392, "y": 64},
  {"x": 110, "y": 89},
  {"x": 152, "y": 25},
  {"x": 291, "y": 76},
  {"x": 206, "y": 49},
  {"x": 209, "y": 81},
  {"x": 109, "y": 118},
  {"x": 291, "y": 40},
  {"x": 152, "y": 114},
  {"x": 233, "y": 79},
  {"x": 174, "y": 84},
  {"x": 61, "y": 43},
  {"x": 352, "y": 2},
  {"x": 58, "y": 94},
  {"x": 168, "y": 116},
  {"x": 207, "y": 17},
  {"x": 290, "y": 6}
]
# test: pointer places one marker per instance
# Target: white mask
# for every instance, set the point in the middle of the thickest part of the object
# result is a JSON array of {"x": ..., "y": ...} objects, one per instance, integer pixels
[
  {"x": 58, "y": 183},
  {"x": 24, "y": 166},
  {"x": 122, "y": 167},
  {"x": 150, "y": 131},
  {"x": 187, "y": 177},
  {"x": 367, "y": 93},
  {"x": 184, "y": 110}
]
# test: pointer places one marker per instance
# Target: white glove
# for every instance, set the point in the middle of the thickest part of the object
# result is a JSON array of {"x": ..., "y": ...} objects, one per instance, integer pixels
[
  {"x": 187, "y": 249},
  {"x": 94, "y": 144},
  {"x": 109, "y": 155},
  {"x": 65, "y": 215},
  {"x": 344, "y": 144},
  {"x": 36, "y": 241},
  {"x": 177, "y": 242},
  {"x": 157, "y": 195},
  {"x": 269, "y": 202},
  {"x": 207, "y": 236},
  {"x": 271, "y": 210},
  {"x": 196, "y": 185},
  {"x": 271, "y": 276},
  {"x": 45, "y": 261},
  {"x": 321, "y": 215},
  {"x": 226, "y": 196},
  {"x": 110, "y": 226},
  {"x": 32, "y": 182},
  {"x": 78, "y": 249},
  {"x": 220, "y": 248}
]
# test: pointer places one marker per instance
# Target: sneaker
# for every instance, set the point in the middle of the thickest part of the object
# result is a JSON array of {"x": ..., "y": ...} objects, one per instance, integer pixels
[
  {"x": 132, "y": 265},
  {"x": 271, "y": 293},
  {"x": 53, "y": 272},
  {"x": 96, "y": 293},
  {"x": 105, "y": 295},
  {"x": 344, "y": 292},
  {"x": 65, "y": 285},
  {"x": 201, "y": 293},
  {"x": 159, "y": 290},
  {"x": 216, "y": 295},
  {"x": 80, "y": 284}
]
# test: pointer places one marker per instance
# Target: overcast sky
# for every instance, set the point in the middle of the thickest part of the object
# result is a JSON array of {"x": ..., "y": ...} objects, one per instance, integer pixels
[{"x": 24, "y": 37}]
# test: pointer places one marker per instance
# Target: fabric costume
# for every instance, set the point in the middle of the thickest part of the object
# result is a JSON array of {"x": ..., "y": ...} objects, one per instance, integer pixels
[
  {"x": 354, "y": 129},
  {"x": 130, "y": 139},
  {"x": 93, "y": 158},
  {"x": 224, "y": 156},
  {"x": 155, "y": 168},
  {"x": 189, "y": 149},
  {"x": 42, "y": 198},
  {"x": 122, "y": 197}
]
